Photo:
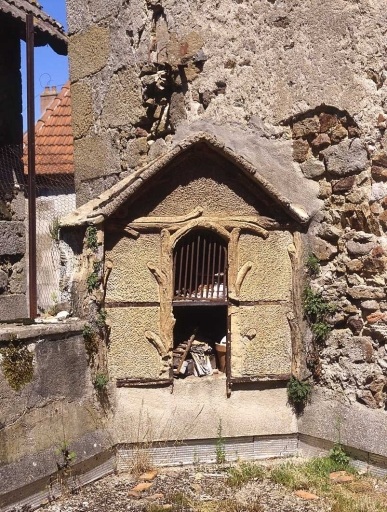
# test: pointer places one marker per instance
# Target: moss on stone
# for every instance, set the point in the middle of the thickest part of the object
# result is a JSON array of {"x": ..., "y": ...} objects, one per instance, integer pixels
[{"x": 17, "y": 365}]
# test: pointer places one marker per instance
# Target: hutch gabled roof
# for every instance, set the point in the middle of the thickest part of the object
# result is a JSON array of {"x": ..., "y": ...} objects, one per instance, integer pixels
[
  {"x": 102, "y": 207},
  {"x": 47, "y": 30},
  {"x": 54, "y": 137}
]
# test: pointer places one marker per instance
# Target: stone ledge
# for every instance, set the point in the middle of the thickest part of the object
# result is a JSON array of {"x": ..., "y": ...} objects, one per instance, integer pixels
[
  {"x": 25, "y": 332},
  {"x": 353, "y": 425}
]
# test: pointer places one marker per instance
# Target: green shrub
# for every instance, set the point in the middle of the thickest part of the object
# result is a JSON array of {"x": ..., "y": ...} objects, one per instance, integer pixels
[
  {"x": 101, "y": 381},
  {"x": 91, "y": 238},
  {"x": 101, "y": 318},
  {"x": 93, "y": 279},
  {"x": 321, "y": 331},
  {"x": 68, "y": 456},
  {"x": 298, "y": 391},
  {"x": 315, "y": 306},
  {"x": 339, "y": 457},
  {"x": 317, "y": 310},
  {"x": 313, "y": 265}
]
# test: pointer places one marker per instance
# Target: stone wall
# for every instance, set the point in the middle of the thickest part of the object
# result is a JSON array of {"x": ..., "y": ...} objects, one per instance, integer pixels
[
  {"x": 256, "y": 63},
  {"x": 12, "y": 230},
  {"x": 311, "y": 75},
  {"x": 347, "y": 237},
  {"x": 48, "y": 405}
]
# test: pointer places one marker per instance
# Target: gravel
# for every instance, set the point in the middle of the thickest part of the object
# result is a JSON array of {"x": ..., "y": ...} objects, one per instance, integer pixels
[{"x": 182, "y": 490}]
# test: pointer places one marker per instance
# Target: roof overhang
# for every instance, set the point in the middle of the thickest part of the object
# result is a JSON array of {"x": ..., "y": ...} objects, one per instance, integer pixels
[
  {"x": 102, "y": 207},
  {"x": 47, "y": 30}
]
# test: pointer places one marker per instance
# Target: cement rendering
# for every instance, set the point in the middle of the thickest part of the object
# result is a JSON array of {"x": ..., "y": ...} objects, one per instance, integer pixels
[{"x": 263, "y": 123}]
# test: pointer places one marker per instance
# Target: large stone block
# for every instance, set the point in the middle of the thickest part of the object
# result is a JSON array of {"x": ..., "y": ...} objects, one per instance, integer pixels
[
  {"x": 94, "y": 157},
  {"x": 62, "y": 369},
  {"x": 101, "y": 9},
  {"x": 87, "y": 190},
  {"x": 123, "y": 101},
  {"x": 13, "y": 306},
  {"x": 131, "y": 354},
  {"x": 264, "y": 342},
  {"x": 82, "y": 108},
  {"x": 78, "y": 16},
  {"x": 270, "y": 277},
  {"x": 130, "y": 278},
  {"x": 89, "y": 52},
  {"x": 252, "y": 412},
  {"x": 12, "y": 238},
  {"x": 348, "y": 157}
]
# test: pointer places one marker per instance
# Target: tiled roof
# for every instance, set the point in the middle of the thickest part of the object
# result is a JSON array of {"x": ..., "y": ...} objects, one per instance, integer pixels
[
  {"x": 54, "y": 137},
  {"x": 48, "y": 31}
]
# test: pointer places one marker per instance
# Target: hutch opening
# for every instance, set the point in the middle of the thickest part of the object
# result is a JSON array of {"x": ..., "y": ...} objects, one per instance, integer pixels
[{"x": 200, "y": 304}]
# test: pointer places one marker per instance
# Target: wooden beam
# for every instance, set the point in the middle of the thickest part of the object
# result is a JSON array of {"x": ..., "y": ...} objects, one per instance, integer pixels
[
  {"x": 260, "y": 378},
  {"x": 258, "y": 225},
  {"x": 134, "y": 383}
]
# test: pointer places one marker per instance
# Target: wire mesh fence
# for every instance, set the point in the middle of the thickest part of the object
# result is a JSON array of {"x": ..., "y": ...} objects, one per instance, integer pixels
[{"x": 55, "y": 197}]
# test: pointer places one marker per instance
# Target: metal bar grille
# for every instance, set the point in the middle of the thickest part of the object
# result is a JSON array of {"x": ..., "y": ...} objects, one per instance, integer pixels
[{"x": 200, "y": 268}]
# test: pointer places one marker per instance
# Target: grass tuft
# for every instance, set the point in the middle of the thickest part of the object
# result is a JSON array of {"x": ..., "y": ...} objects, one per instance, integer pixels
[
  {"x": 244, "y": 473},
  {"x": 312, "y": 475}
]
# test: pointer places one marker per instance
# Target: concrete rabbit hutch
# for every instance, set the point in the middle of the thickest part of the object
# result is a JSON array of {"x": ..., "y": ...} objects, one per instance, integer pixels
[{"x": 197, "y": 242}]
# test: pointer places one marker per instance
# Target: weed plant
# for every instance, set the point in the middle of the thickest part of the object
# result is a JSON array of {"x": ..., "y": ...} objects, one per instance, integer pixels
[
  {"x": 92, "y": 280},
  {"x": 315, "y": 306},
  {"x": 68, "y": 456},
  {"x": 100, "y": 382},
  {"x": 313, "y": 265},
  {"x": 101, "y": 318},
  {"x": 220, "y": 448},
  {"x": 54, "y": 229},
  {"x": 91, "y": 341},
  {"x": 91, "y": 238},
  {"x": 239, "y": 475},
  {"x": 317, "y": 310},
  {"x": 321, "y": 331},
  {"x": 338, "y": 455},
  {"x": 298, "y": 391}
]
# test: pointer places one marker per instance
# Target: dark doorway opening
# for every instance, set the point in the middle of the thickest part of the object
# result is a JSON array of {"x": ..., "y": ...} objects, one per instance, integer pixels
[{"x": 199, "y": 340}]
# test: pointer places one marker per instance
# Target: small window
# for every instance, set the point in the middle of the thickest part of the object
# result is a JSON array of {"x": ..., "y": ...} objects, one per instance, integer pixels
[{"x": 200, "y": 268}]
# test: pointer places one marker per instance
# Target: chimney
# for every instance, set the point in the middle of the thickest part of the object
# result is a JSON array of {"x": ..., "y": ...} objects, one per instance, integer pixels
[{"x": 46, "y": 98}]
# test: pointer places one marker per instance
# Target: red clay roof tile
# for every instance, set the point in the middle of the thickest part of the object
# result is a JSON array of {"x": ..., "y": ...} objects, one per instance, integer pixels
[{"x": 54, "y": 137}]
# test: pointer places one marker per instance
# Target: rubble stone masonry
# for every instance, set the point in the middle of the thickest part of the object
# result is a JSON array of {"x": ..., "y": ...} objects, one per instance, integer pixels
[
  {"x": 12, "y": 202},
  {"x": 311, "y": 75}
]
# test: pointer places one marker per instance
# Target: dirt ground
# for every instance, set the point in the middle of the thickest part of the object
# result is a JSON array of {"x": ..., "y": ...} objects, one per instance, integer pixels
[{"x": 212, "y": 488}]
